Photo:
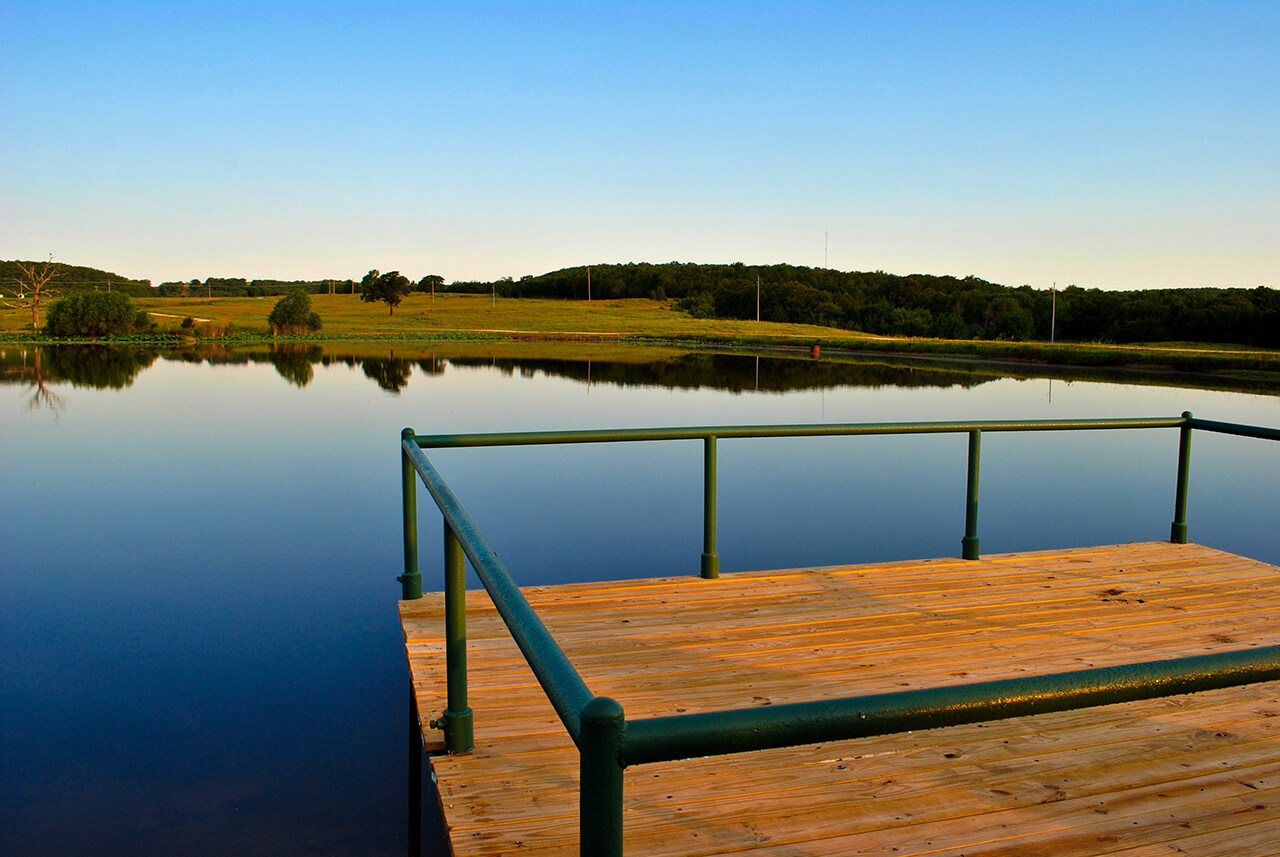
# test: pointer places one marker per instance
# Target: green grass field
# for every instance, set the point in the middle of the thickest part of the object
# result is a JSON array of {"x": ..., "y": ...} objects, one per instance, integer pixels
[
  {"x": 419, "y": 315},
  {"x": 461, "y": 317}
]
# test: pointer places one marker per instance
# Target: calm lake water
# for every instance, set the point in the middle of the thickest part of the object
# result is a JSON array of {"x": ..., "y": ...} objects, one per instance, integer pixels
[{"x": 200, "y": 650}]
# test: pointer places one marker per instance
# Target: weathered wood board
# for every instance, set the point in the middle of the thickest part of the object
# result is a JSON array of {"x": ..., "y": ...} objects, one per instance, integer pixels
[{"x": 1195, "y": 774}]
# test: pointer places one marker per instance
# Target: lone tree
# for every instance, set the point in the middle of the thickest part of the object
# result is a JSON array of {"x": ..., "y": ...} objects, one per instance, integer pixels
[
  {"x": 292, "y": 314},
  {"x": 34, "y": 290},
  {"x": 390, "y": 287}
]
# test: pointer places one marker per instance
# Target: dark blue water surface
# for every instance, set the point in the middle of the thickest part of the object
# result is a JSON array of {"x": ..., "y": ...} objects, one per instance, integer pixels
[{"x": 200, "y": 652}]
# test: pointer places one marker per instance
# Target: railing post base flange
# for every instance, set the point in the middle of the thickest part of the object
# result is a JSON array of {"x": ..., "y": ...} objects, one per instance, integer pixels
[
  {"x": 969, "y": 547},
  {"x": 410, "y": 586},
  {"x": 711, "y": 565},
  {"x": 1178, "y": 533},
  {"x": 458, "y": 733}
]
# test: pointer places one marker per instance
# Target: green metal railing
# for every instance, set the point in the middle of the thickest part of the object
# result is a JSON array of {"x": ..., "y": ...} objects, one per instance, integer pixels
[{"x": 608, "y": 743}]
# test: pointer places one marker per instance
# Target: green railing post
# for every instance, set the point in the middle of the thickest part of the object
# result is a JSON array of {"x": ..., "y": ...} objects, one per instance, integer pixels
[
  {"x": 969, "y": 544},
  {"x": 600, "y": 754},
  {"x": 411, "y": 580},
  {"x": 456, "y": 720},
  {"x": 1178, "y": 531},
  {"x": 710, "y": 560}
]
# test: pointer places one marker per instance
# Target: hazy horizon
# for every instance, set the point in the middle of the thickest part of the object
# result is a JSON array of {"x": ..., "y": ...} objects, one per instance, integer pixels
[{"x": 1107, "y": 145}]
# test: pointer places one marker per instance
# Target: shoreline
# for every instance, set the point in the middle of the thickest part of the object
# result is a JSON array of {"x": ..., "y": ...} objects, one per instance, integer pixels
[{"x": 1236, "y": 370}]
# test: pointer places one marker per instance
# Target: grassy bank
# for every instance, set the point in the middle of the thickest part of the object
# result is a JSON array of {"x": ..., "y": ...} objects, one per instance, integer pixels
[{"x": 477, "y": 317}]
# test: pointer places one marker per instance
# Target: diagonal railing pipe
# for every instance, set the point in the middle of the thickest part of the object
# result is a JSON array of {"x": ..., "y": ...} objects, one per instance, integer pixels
[{"x": 561, "y": 682}]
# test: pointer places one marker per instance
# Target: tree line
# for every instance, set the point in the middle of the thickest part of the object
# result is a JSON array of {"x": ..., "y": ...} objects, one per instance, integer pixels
[
  {"x": 919, "y": 304},
  {"x": 71, "y": 278},
  {"x": 239, "y": 287}
]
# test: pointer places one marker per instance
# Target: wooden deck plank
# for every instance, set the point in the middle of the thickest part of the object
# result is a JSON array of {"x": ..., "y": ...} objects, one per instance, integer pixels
[{"x": 1128, "y": 779}]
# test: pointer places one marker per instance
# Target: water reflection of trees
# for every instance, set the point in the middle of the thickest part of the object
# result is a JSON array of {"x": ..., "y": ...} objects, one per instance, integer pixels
[
  {"x": 737, "y": 373},
  {"x": 389, "y": 373},
  {"x": 295, "y": 361},
  {"x": 26, "y": 367},
  {"x": 733, "y": 372},
  {"x": 99, "y": 366},
  {"x": 393, "y": 368},
  {"x": 116, "y": 368}
]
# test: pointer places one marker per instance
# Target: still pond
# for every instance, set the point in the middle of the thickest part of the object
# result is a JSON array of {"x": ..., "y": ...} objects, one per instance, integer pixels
[{"x": 200, "y": 647}]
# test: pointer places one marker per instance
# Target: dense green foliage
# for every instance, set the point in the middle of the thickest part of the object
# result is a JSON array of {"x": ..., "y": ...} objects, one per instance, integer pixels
[
  {"x": 74, "y": 278},
  {"x": 920, "y": 304},
  {"x": 292, "y": 314},
  {"x": 239, "y": 287},
  {"x": 93, "y": 314},
  {"x": 390, "y": 288},
  {"x": 429, "y": 283}
]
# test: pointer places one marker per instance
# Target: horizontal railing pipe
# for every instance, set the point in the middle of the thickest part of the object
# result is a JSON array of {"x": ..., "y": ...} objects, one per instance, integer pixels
[
  {"x": 661, "y": 739},
  {"x": 561, "y": 682},
  {"x": 1234, "y": 428},
  {"x": 536, "y": 438}
]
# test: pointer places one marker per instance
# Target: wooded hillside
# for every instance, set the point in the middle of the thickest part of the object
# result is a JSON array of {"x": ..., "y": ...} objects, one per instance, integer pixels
[
  {"x": 72, "y": 278},
  {"x": 921, "y": 304}
]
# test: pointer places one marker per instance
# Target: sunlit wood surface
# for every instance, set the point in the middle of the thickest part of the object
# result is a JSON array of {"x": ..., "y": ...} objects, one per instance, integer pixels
[{"x": 1196, "y": 774}]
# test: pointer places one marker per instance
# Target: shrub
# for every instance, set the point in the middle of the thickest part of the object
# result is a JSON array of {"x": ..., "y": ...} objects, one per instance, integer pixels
[
  {"x": 91, "y": 314},
  {"x": 210, "y": 329},
  {"x": 292, "y": 314}
]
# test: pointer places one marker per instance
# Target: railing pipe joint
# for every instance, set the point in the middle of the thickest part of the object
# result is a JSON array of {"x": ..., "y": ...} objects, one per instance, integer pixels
[{"x": 600, "y": 765}]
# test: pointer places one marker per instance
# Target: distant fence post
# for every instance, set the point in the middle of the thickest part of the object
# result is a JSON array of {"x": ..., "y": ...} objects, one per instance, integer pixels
[
  {"x": 457, "y": 719},
  {"x": 710, "y": 560},
  {"x": 411, "y": 580},
  {"x": 969, "y": 544},
  {"x": 600, "y": 804},
  {"x": 1178, "y": 531}
]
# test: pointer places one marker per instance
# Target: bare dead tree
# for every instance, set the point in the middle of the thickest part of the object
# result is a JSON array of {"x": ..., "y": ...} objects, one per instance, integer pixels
[{"x": 35, "y": 291}]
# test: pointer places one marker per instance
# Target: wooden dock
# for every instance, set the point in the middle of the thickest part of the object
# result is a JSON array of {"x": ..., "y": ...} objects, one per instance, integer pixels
[{"x": 1196, "y": 774}]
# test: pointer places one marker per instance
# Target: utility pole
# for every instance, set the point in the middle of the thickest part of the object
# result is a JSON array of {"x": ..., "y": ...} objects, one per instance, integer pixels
[
  {"x": 757, "y": 297},
  {"x": 1053, "y": 315},
  {"x": 588, "y": 284}
]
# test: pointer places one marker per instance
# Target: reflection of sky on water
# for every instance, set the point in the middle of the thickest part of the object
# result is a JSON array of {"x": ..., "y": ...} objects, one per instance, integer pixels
[{"x": 201, "y": 651}]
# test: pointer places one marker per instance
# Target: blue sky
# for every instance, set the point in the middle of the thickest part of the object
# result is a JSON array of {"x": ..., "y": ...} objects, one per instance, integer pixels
[{"x": 1110, "y": 145}]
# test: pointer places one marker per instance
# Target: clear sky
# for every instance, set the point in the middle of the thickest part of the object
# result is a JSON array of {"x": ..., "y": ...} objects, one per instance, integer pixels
[{"x": 1110, "y": 145}]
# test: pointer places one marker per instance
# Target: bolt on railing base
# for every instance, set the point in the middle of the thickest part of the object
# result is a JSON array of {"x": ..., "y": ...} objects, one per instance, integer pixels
[
  {"x": 710, "y": 565},
  {"x": 459, "y": 736},
  {"x": 969, "y": 547},
  {"x": 410, "y": 586}
]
